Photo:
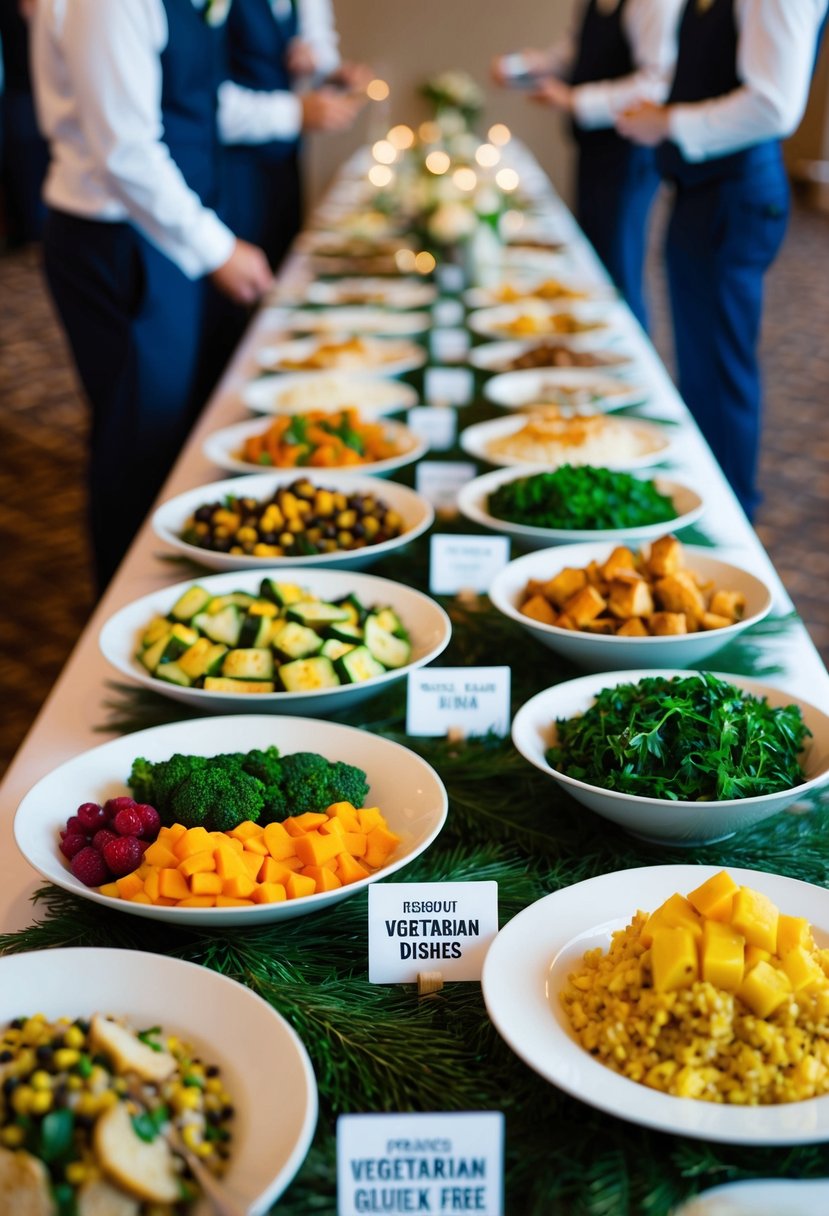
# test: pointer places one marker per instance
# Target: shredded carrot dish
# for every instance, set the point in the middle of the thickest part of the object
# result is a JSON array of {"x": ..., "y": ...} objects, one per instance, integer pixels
[{"x": 321, "y": 439}]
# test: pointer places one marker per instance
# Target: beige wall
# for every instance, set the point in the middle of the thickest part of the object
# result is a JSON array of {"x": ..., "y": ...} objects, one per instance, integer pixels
[{"x": 409, "y": 40}]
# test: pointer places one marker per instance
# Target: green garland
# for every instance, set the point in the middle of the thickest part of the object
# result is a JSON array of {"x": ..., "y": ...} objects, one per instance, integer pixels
[{"x": 382, "y": 1048}]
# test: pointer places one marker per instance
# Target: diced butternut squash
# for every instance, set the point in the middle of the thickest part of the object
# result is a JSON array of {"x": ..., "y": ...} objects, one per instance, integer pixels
[
  {"x": 172, "y": 884},
  {"x": 324, "y": 879},
  {"x": 229, "y": 863},
  {"x": 346, "y": 813},
  {"x": 279, "y": 841},
  {"x": 197, "y": 901},
  {"x": 197, "y": 863},
  {"x": 238, "y": 886},
  {"x": 206, "y": 884},
  {"x": 755, "y": 916},
  {"x": 298, "y": 885},
  {"x": 714, "y": 897},
  {"x": 244, "y": 830},
  {"x": 380, "y": 844},
  {"x": 269, "y": 893},
  {"x": 674, "y": 962},
  {"x": 194, "y": 840},
  {"x": 161, "y": 855},
  {"x": 253, "y": 862},
  {"x": 350, "y": 869},
  {"x": 229, "y": 901},
  {"x": 369, "y": 817},
  {"x": 314, "y": 849}
]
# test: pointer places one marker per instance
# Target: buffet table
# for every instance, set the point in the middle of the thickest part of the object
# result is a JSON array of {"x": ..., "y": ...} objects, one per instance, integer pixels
[{"x": 384, "y": 1048}]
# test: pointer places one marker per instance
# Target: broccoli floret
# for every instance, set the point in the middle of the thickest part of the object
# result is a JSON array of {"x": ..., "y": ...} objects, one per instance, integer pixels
[
  {"x": 217, "y": 798},
  {"x": 266, "y": 765},
  {"x": 156, "y": 783},
  {"x": 311, "y": 783}
]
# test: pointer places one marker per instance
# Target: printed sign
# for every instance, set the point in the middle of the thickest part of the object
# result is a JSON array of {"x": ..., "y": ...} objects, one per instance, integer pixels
[
  {"x": 429, "y": 926},
  {"x": 460, "y": 562},
  {"x": 472, "y": 700}
]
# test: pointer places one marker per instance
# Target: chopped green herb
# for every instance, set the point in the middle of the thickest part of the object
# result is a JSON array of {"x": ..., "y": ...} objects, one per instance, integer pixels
[
  {"x": 150, "y": 1037},
  {"x": 692, "y": 739},
  {"x": 56, "y": 1130},
  {"x": 581, "y": 497}
]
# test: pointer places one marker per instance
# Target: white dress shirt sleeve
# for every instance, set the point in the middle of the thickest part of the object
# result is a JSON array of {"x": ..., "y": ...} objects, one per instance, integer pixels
[
  {"x": 110, "y": 55},
  {"x": 317, "y": 27},
  {"x": 651, "y": 29},
  {"x": 775, "y": 51},
  {"x": 252, "y": 116}
]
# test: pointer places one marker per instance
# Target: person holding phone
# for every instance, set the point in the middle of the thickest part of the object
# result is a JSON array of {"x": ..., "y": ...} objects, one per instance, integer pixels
[
  {"x": 742, "y": 81},
  {"x": 616, "y": 51}
]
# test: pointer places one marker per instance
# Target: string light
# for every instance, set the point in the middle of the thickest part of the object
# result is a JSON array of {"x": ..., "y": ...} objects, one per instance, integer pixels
[
  {"x": 499, "y": 134},
  {"x": 380, "y": 176},
  {"x": 401, "y": 137},
  {"x": 429, "y": 132},
  {"x": 384, "y": 152},
  {"x": 438, "y": 162},
  {"x": 507, "y": 179},
  {"x": 487, "y": 156},
  {"x": 377, "y": 90},
  {"x": 405, "y": 261},
  {"x": 465, "y": 179},
  {"x": 424, "y": 263}
]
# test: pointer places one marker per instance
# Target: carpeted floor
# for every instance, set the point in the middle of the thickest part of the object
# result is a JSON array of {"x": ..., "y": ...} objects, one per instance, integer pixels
[{"x": 47, "y": 590}]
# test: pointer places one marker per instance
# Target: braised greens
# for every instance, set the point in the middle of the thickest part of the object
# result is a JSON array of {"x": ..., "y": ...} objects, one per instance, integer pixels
[
  {"x": 693, "y": 738},
  {"x": 581, "y": 497}
]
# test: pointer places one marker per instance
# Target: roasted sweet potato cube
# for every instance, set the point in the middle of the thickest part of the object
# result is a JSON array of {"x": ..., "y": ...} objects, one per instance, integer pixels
[
  {"x": 630, "y": 597},
  {"x": 665, "y": 557},
  {"x": 679, "y": 593},
  {"x": 632, "y": 628},
  {"x": 620, "y": 559},
  {"x": 665, "y": 624},
  {"x": 728, "y": 603},
  {"x": 585, "y": 605},
  {"x": 539, "y": 609},
  {"x": 601, "y": 624},
  {"x": 594, "y": 575},
  {"x": 565, "y": 584},
  {"x": 563, "y": 621},
  {"x": 712, "y": 620}
]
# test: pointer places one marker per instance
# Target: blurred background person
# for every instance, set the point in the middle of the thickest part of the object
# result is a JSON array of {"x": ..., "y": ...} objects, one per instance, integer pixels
[
  {"x": 617, "y": 52},
  {"x": 742, "y": 81},
  {"x": 25, "y": 154},
  {"x": 289, "y": 47}
]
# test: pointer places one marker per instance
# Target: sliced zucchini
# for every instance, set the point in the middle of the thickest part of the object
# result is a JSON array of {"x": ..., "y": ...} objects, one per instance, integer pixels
[
  {"x": 345, "y": 632},
  {"x": 173, "y": 673},
  {"x": 296, "y": 641},
  {"x": 389, "y": 650},
  {"x": 388, "y": 619},
  {"x": 193, "y": 601},
  {"x": 224, "y": 626},
  {"x": 225, "y": 684},
  {"x": 255, "y": 631},
  {"x": 242, "y": 599},
  {"x": 357, "y": 612},
  {"x": 316, "y": 613},
  {"x": 159, "y": 627},
  {"x": 358, "y": 665},
  {"x": 248, "y": 664},
  {"x": 281, "y": 594},
  {"x": 179, "y": 639},
  {"x": 332, "y": 648},
  {"x": 261, "y": 607},
  {"x": 151, "y": 656},
  {"x": 204, "y": 658},
  {"x": 307, "y": 675}
]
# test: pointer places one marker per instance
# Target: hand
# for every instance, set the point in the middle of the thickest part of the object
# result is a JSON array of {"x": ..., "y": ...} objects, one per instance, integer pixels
[
  {"x": 26, "y": 8},
  {"x": 645, "y": 123},
  {"x": 352, "y": 77},
  {"x": 327, "y": 110},
  {"x": 245, "y": 276},
  {"x": 300, "y": 58},
  {"x": 555, "y": 93},
  {"x": 529, "y": 62}
]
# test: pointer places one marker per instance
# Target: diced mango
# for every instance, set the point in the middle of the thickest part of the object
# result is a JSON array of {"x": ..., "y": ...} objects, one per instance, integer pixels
[
  {"x": 755, "y": 955},
  {"x": 355, "y": 843},
  {"x": 238, "y": 886},
  {"x": 305, "y": 822},
  {"x": 675, "y": 913},
  {"x": 171, "y": 834},
  {"x": 801, "y": 968},
  {"x": 714, "y": 897},
  {"x": 346, "y": 813},
  {"x": 722, "y": 959},
  {"x": 229, "y": 863},
  {"x": 350, "y": 869},
  {"x": 244, "y": 830},
  {"x": 793, "y": 931},
  {"x": 253, "y": 862},
  {"x": 110, "y": 889},
  {"x": 129, "y": 885},
  {"x": 229, "y": 901},
  {"x": 172, "y": 885},
  {"x": 204, "y": 883},
  {"x": 369, "y": 817},
  {"x": 764, "y": 989},
  {"x": 269, "y": 893},
  {"x": 151, "y": 885},
  {"x": 298, "y": 885},
  {"x": 197, "y": 901},
  {"x": 161, "y": 855},
  {"x": 139, "y": 898},
  {"x": 674, "y": 961},
  {"x": 324, "y": 879},
  {"x": 194, "y": 840},
  {"x": 256, "y": 844},
  {"x": 755, "y": 916},
  {"x": 197, "y": 863},
  {"x": 380, "y": 844}
]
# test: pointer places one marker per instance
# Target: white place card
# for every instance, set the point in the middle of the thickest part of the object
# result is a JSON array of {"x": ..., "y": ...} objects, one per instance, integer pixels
[
  {"x": 440, "y": 481},
  {"x": 436, "y": 425},
  {"x": 437, "y": 1163},
  {"x": 447, "y": 312},
  {"x": 450, "y": 279},
  {"x": 449, "y": 345},
  {"x": 430, "y": 926},
  {"x": 460, "y": 562},
  {"x": 473, "y": 700},
  {"x": 448, "y": 385}
]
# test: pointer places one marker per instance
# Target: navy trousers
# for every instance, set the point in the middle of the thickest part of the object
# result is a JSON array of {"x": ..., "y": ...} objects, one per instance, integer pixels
[
  {"x": 262, "y": 197},
  {"x": 615, "y": 187},
  {"x": 133, "y": 321},
  {"x": 722, "y": 237}
]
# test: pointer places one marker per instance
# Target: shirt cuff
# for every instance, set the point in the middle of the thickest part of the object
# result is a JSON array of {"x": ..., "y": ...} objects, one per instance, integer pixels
[
  {"x": 211, "y": 244},
  {"x": 591, "y": 107},
  {"x": 686, "y": 128}
]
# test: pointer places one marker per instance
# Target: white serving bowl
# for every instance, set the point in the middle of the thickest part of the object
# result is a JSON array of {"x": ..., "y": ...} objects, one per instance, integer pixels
[
  {"x": 494, "y": 356},
  {"x": 611, "y": 653},
  {"x": 659, "y": 819},
  {"x": 357, "y": 319},
  {"x": 299, "y": 392},
  {"x": 473, "y": 498},
  {"x": 384, "y": 292},
  {"x": 654, "y": 439},
  {"x": 223, "y": 447},
  {"x": 383, "y": 356},
  {"x": 408, "y": 791},
  {"x": 535, "y": 386},
  {"x": 170, "y": 518},
  {"x": 525, "y": 285},
  {"x": 496, "y": 322},
  {"x": 428, "y": 625},
  {"x": 260, "y": 1056}
]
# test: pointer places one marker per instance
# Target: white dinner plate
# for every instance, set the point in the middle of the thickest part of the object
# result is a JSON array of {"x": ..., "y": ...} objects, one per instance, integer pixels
[
  {"x": 497, "y": 322},
  {"x": 224, "y": 447},
  {"x": 378, "y": 356},
  {"x": 594, "y": 389},
  {"x": 654, "y": 442},
  {"x": 525, "y": 286},
  {"x": 387, "y": 292},
  {"x": 297, "y": 393},
  {"x": 528, "y": 963},
  {"x": 408, "y": 791},
  {"x": 356, "y": 320},
  {"x": 261, "y": 1057},
  {"x": 495, "y": 356},
  {"x": 761, "y": 1197}
]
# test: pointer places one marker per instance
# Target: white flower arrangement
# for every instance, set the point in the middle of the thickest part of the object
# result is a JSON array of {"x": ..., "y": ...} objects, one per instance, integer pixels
[{"x": 455, "y": 90}]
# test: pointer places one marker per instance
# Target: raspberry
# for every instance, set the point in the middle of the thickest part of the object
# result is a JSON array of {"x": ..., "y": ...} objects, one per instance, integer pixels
[
  {"x": 72, "y": 844},
  {"x": 150, "y": 820},
  {"x": 113, "y": 805},
  {"x": 74, "y": 826},
  {"x": 128, "y": 822},
  {"x": 123, "y": 855},
  {"x": 102, "y": 837},
  {"x": 89, "y": 867},
  {"x": 91, "y": 816}
]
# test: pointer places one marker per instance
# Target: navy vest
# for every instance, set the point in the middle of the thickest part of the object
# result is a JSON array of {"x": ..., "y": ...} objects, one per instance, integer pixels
[
  {"x": 257, "y": 41},
  {"x": 706, "y": 68},
  {"x": 192, "y": 66},
  {"x": 603, "y": 53}
]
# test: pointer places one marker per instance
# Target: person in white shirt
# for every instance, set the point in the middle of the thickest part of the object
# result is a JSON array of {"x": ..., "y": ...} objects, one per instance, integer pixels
[
  {"x": 132, "y": 100},
  {"x": 615, "y": 53},
  {"x": 741, "y": 85}
]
